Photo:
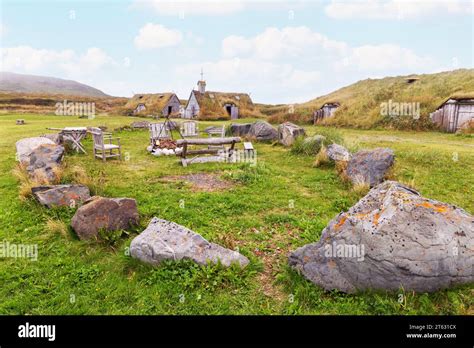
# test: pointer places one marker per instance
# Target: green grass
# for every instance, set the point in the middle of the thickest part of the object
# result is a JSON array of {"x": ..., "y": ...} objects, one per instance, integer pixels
[{"x": 273, "y": 208}]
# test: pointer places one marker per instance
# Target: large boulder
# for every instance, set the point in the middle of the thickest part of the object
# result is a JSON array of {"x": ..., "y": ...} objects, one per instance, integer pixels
[
  {"x": 107, "y": 214},
  {"x": 240, "y": 129},
  {"x": 55, "y": 137},
  {"x": 370, "y": 166},
  {"x": 392, "y": 238},
  {"x": 337, "y": 153},
  {"x": 263, "y": 131},
  {"x": 44, "y": 161},
  {"x": 288, "y": 132},
  {"x": 25, "y": 146},
  {"x": 165, "y": 240},
  {"x": 61, "y": 195}
]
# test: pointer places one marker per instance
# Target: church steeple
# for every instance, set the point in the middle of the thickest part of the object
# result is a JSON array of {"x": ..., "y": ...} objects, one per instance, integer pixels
[{"x": 202, "y": 84}]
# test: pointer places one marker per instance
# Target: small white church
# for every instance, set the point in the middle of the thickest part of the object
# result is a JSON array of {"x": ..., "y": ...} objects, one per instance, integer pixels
[{"x": 220, "y": 104}]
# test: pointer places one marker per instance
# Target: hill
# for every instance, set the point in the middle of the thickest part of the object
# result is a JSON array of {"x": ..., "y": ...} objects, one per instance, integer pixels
[
  {"x": 19, "y": 83},
  {"x": 361, "y": 101},
  {"x": 36, "y": 103}
]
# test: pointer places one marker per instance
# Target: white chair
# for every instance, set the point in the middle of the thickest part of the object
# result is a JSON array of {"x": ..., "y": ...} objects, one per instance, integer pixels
[
  {"x": 158, "y": 131},
  {"x": 103, "y": 147},
  {"x": 189, "y": 129}
]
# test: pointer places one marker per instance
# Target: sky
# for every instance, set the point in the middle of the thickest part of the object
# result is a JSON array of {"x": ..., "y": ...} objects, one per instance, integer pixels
[{"x": 277, "y": 51}]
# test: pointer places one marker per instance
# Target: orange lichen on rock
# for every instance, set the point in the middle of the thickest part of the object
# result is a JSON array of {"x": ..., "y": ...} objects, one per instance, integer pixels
[
  {"x": 341, "y": 222},
  {"x": 376, "y": 218},
  {"x": 436, "y": 207}
]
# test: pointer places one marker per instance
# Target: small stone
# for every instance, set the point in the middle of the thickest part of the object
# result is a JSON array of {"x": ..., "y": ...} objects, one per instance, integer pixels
[{"x": 338, "y": 152}]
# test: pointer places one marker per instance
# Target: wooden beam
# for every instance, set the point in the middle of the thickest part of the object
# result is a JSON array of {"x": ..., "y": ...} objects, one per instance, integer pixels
[{"x": 209, "y": 141}]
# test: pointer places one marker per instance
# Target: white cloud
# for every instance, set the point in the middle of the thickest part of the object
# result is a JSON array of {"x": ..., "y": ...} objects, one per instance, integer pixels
[
  {"x": 27, "y": 59},
  {"x": 157, "y": 36},
  {"x": 183, "y": 8},
  {"x": 297, "y": 60},
  {"x": 274, "y": 43},
  {"x": 383, "y": 58},
  {"x": 266, "y": 79},
  {"x": 93, "y": 60},
  {"x": 395, "y": 9}
]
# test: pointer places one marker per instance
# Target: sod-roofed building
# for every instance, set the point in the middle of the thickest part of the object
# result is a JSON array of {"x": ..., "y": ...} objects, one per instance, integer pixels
[
  {"x": 455, "y": 113},
  {"x": 327, "y": 110},
  {"x": 157, "y": 104},
  {"x": 217, "y": 105}
]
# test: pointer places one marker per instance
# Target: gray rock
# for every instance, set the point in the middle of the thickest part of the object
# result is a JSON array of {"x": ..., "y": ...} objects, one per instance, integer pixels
[
  {"x": 338, "y": 152},
  {"x": 165, "y": 240},
  {"x": 140, "y": 124},
  {"x": 55, "y": 137},
  {"x": 25, "y": 146},
  {"x": 392, "y": 238},
  {"x": 263, "y": 131},
  {"x": 43, "y": 162},
  {"x": 61, "y": 195},
  {"x": 240, "y": 129},
  {"x": 107, "y": 214},
  {"x": 288, "y": 132},
  {"x": 370, "y": 166}
]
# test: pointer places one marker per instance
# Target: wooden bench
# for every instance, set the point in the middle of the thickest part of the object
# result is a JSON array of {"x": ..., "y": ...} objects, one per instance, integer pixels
[{"x": 206, "y": 151}]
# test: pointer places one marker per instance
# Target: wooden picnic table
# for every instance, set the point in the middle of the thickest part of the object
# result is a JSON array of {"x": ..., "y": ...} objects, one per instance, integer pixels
[{"x": 75, "y": 135}]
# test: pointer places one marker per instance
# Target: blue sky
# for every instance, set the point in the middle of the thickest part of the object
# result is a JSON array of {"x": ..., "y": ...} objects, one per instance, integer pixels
[{"x": 279, "y": 51}]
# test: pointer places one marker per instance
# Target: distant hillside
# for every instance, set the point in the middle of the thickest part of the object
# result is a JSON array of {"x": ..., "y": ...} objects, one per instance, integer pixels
[
  {"x": 14, "y": 102},
  {"x": 19, "y": 83},
  {"x": 360, "y": 102}
]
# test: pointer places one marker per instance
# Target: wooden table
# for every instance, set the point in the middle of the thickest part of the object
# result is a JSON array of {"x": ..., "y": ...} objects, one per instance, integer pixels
[{"x": 74, "y": 135}]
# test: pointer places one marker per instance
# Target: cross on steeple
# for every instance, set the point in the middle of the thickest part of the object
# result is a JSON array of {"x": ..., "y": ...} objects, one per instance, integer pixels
[{"x": 202, "y": 75}]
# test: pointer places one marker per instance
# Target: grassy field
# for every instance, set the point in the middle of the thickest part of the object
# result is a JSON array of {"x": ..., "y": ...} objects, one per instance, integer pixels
[{"x": 271, "y": 209}]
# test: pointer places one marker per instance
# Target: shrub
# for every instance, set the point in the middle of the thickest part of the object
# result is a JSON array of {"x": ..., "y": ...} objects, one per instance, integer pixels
[
  {"x": 307, "y": 146},
  {"x": 331, "y": 136},
  {"x": 321, "y": 158}
]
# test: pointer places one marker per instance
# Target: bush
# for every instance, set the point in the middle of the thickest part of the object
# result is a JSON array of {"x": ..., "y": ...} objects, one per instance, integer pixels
[
  {"x": 307, "y": 146},
  {"x": 312, "y": 145},
  {"x": 331, "y": 136}
]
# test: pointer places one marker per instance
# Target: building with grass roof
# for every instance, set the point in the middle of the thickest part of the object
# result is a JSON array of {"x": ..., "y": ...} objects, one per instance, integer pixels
[
  {"x": 157, "y": 104},
  {"x": 456, "y": 113},
  {"x": 209, "y": 105},
  {"x": 327, "y": 110}
]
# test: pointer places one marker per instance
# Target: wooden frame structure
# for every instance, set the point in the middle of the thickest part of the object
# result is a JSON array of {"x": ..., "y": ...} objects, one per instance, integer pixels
[{"x": 158, "y": 131}]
